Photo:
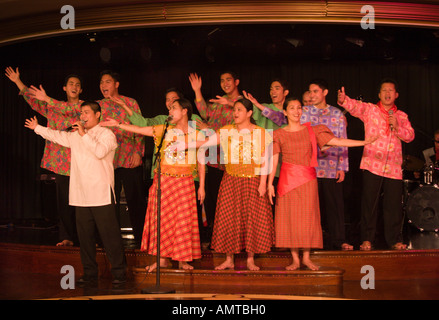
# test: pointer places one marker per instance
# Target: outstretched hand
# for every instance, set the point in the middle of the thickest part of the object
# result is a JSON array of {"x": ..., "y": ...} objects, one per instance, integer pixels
[
  {"x": 370, "y": 140},
  {"x": 14, "y": 76},
  {"x": 39, "y": 94},
  {"x": 201, "y": 125},
  {"x": 109, "y": 122},
  {"x": 120, "y": 102},
  {"x": 117, "y": 100},
  {"x": 220, "y": 100},
  {"x": 341, "y": 96},
  {"x": 31, "y": 123},
  {"x": 248, "y": 96}
]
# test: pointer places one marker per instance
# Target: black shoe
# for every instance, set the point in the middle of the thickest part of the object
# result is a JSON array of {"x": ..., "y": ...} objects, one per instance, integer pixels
[
  {"x": 119, "y": 281},
  {"x": 87, "y": 282}
]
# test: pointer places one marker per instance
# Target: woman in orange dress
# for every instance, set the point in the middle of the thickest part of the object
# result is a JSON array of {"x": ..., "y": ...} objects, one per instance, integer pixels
[{"x": 297, "y": 213}]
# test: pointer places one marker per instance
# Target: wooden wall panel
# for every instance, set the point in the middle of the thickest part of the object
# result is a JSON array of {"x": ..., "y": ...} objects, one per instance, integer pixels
[{"x": 117, "y": 14}]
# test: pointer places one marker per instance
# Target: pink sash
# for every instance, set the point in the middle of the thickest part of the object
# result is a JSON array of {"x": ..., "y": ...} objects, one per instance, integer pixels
[{"x": 294, "y": 175}]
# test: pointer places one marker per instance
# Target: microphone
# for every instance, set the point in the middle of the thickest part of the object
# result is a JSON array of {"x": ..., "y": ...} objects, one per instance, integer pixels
[
  {"x": 68, "y": 129},
  {"x": 169, "y": 118},
  {"x": 391, "y": 113}
]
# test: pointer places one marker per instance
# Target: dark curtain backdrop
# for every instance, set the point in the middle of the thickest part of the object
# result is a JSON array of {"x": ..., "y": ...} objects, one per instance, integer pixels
[{"x": 145, "y": 77}]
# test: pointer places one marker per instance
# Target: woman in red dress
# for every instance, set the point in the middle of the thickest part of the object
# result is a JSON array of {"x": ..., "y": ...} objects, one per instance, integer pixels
[
  {"x": 180, "y": 239},
  {"x": 297, "y": 213}
]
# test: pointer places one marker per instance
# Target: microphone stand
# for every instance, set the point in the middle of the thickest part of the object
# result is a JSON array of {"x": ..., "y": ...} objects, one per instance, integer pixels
[{"x": 158, "y": 289}]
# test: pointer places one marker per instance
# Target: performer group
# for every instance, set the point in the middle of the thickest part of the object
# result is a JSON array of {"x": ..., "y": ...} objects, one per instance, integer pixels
[{"x": 261, "y": 172}]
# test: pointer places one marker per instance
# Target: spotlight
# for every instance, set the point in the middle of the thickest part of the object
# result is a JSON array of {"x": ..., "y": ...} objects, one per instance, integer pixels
[
  {"x": 356, "y": 41},
  {"x": 91, "y": 37},
  {"x": 295, "y": 42},
  {"x": 105, "y": 54}
]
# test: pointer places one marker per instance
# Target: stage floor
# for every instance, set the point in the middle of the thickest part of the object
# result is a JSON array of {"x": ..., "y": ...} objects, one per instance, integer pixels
[
  {"x": 25, "y": 286},
  {"x": 21, "y": 284}
]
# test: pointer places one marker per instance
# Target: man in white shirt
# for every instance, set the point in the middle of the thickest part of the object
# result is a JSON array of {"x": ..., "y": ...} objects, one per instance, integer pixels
[{"x": 91, "y": 188}]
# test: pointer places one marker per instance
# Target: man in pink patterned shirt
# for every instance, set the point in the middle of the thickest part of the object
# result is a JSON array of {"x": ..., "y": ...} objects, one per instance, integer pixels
[
  {"x": 56, "y": 158},
  {"x": 381, "y": 162},
  {"x": 128, "y": 168}
]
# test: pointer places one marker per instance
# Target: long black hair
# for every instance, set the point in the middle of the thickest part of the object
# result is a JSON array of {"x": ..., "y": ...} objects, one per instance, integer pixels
[
  {"x": 248, "y": 106},
  {"x": 185, "y": 104}
]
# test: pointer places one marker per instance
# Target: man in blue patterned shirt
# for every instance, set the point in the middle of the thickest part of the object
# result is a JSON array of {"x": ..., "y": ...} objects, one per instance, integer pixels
[{"x": 332, "y": 163}]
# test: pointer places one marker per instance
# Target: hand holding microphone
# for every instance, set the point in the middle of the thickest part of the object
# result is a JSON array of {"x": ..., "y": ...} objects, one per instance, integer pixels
[
  {"x": 392, "y": 121},
  {"x": 75, "y": 126}
]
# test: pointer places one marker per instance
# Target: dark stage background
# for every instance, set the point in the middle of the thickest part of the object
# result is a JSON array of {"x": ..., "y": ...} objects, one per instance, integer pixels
[{"x": 153, "y": 59}]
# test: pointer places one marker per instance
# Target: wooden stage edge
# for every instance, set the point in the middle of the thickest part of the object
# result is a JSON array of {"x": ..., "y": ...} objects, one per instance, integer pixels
[{"x": 335, "y": 266}]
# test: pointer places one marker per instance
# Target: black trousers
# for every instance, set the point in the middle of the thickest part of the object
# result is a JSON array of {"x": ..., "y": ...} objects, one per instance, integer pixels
[
  {"x": 135, "y": 193},
  {"x": 332, "y": 211},
  {"x": 213, "y": 182},
  {"x": 67, "y": 220},
  {"x": 373, "y": 186},
  {"x": 103, "y": 219}
]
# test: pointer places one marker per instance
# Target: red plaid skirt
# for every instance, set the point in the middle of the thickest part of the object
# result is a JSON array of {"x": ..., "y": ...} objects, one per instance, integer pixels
[
  {"x": 297, "y": 218},
  {"x": 179, "y": 235},
  {"x": 243, "y": 219}
]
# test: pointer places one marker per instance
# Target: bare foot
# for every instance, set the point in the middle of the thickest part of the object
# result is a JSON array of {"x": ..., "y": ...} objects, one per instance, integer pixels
[
  {"x": 293, "y": 266},
  {"x": 65, "y": 243},
  {"x": 347, "y": 246},
  {"x": 366, "y": 246},
  {"x": 184, "y": 265},
  {"x": 151, "y": 267},
  {"x": 310, "y": 265},
  {"x": 399, "y": 246},
  {"x": 225, "y": 265},
  {"x": 164, "y": 263},
  {"x": 251, "y": 265}
]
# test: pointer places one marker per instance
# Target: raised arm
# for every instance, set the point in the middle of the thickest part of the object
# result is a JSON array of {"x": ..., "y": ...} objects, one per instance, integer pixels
[
  {"x": 200, "y": 103},
  {"x": 277, "y": 117},
  {"x": 56, "y": 136},
  {"x": 14, "y": 76},
  {"x": 356, "y": 108},
  {"x": 253, "y": 100}
]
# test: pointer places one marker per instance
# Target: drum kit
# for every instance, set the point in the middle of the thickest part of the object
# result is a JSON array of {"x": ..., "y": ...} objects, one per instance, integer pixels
[{"x": 421, "y": 193}]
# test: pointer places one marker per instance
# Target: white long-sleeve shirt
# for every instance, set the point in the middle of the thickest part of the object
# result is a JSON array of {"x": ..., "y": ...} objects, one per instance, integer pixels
[{"x": 91, "y": 168}]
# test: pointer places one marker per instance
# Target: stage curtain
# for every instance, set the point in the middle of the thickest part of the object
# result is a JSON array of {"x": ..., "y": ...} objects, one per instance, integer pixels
[{"x": 48, "y": 62}]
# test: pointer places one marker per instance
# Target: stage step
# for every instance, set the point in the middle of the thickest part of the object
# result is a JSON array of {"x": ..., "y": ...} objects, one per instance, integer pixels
[
  {"x": 327, "y": 281},
  {"x": 388, "y": 265}
]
